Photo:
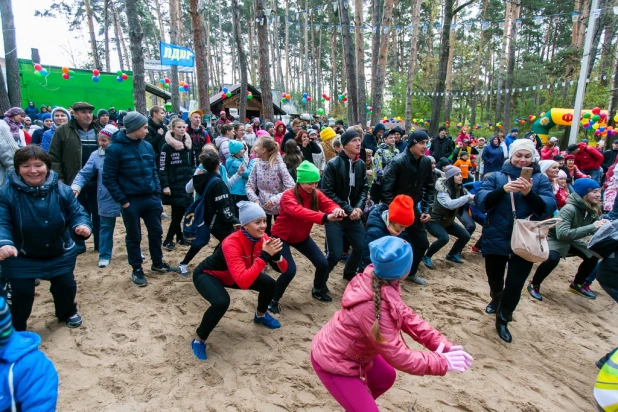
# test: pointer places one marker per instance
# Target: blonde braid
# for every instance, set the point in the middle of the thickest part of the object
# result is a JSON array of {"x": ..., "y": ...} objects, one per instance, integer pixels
[{"x": 377, "y": 283}]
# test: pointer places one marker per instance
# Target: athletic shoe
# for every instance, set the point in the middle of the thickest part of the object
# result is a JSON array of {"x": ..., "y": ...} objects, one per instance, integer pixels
[
  {"x": 74, "y": 321},
  {"x": 103, "y": 263},
  {"x": 169, "y": 245},
  {"x": 586, "y": 286},
  {"x": 37, "y": 282},
  {"x": 199, "y": 349},
  {"x": 266, "y": 320},
  {"x": 476, "y": 250},
  {"x": 274, "y": 307},
  {"x": 183, "y": 270},
  {"x": 165, "y": 216},
  {"x": 164, "y": 268},
  {"x": 138, "y": 277},
  {"x": 534, "y": 291},
  {"x": 321, "y": 295},
  {"x": 182, "y": 242},
  {"x": 427, "y": 262},
  {"x": 417, "y": 279},
  {"x": 579, "y": 290},
  {"x": 456, "y": 258}
]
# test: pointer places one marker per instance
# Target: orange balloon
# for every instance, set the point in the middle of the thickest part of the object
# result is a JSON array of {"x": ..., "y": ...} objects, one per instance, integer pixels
[{"x": 65, "y": 70}]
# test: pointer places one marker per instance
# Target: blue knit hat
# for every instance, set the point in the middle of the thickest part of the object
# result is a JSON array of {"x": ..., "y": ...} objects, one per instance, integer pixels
[
  {"x": 6, "y": 323},
  {"x": 45, "y": 116},
  {"x": 391, "y": 257},
  {"x": 235, "y": 146},
  {"x": 583, "y": 186}
]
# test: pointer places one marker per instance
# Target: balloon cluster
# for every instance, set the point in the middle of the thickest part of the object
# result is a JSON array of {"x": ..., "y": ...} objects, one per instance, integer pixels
[
  {"x": 325, "y": 98},
  {"x": 520, "y": 120},
  {"x": 343, "y": 97},
  {"x": 531, "y": 118},
  {"x": 165, "y": 83},
  {"x": 67, "y": 73},
  {"x": 306, "y": 98},
  {"x": 95, "y": 75},
  {"x": 447, "y": 124},
  {"x": 597, "y": 121},
  {"x": 320, "y": 111},
  {"x": 183, "y": 87},
  {"x": 225, "y": 93},
  {"x": 249, "y": 95},
  {"x": 120, "y": 76},
  {"x": 285, "y": 97},
  {"x": 368, "y": 109},
  {"x": 421, "y": 121},
  {"x": 40, "y": 71},
  {"x": 392, "y": 120},
  {"x": 477, "y": 126}
]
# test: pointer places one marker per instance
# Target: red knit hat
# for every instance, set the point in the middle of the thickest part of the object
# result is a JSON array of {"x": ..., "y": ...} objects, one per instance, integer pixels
[
  {"x": 401, "y": 210},
  {"x": 569, "y": 157}
]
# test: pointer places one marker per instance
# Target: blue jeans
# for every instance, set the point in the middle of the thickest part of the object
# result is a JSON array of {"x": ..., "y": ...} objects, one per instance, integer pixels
[
  {"x": 442, "y": 235},
  {"x": 354, "y": 232},
  {"x": 106, "y": 237},
  {"x": 311, "y": 251},
  {"x": 88, "y": 199},
  {"x": 593, "y": 275},
  {"x": 594, "y": 174},
  {"x": 149, "y": 209}
]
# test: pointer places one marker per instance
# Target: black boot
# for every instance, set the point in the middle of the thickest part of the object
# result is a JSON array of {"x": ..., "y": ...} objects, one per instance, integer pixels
[
  {"x": 503, "y": 317},
  {"x": 496, "y": 297}
]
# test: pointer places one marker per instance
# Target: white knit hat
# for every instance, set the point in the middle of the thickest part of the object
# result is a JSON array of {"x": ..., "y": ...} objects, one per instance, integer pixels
[
  {"x": 562, "y": 174},
  {"x": 522, "y": 144},
  {"x": 546, "y": 164}
]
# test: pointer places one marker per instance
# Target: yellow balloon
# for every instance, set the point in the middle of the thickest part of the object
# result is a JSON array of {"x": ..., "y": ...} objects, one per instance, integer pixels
[{"x": 595, "y": 126}]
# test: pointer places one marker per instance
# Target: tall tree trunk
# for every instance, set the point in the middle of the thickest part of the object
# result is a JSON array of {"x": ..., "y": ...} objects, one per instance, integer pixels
[
  {"x": 137, "y": 56},
  {"x": 250, "y": 25},
  {"x": 333, "y": 70},
  {"x": 242, "y": 60},
  {"x": 613, "y": 96},
  {"x": 448, "y": 95},
  {"x": 106, "y": 33},
  {"x": 287, "y": 46},
  {"x": 116, "y": 34},
  {"x": 160, "y": 20},
  {"x": 360, "y": 62},
  {"x": 606, "y": 54},
  {"x": 478, "y": 69},
  {"x": 350, "y": 64},
  {"x": 220, "y": 55},
  {"x": 583, "y": 22},
  {"x": 123, "y": 43},
  {"x": 515, "y": 8},
  {"x": 201, "y": 59},
  {"x": 174, "y": 82},
  {"x": 501, "y": 68},
  {"x": 10, "y": 54},
  {"x": 598, "y": 29},
  {"x": 416, "y": 13},
  {"x": 376, "y": 21},
  {"x": 265, "y": 85},
  {"x": 5, "y": 104},
  {"x": 377, "y": 92},
  {"x": 306, "y": 65},
  {"x": 93, "y": 37}
]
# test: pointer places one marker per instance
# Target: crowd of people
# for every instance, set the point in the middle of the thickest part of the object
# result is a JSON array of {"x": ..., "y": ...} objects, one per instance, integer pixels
[{"x": 260, "y": 188}]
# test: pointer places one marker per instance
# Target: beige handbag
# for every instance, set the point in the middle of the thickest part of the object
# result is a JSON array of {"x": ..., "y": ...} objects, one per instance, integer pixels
[{"x": 529, "y": 238}]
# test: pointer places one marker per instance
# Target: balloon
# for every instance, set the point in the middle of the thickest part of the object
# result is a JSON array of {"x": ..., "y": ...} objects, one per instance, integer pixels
[
  {"x": 345, "y": 99},
  {"x": 223, "y": 96},
  {"x": 181, "y": 84},
  {"x": 228, "y": 94},
  {"x": 95, "y": 79},
  {"x": 161, "y": 81},
  {"x": 96, "y": 73},
  {"x": 186, "y": 86},
  {"x": 320, "y": 111},
  {"x": 322, "y": 99},
  {"x": 119, "y": 79},
  {"x": 596, "y": 110},
  {"x": 167, "y": 80},
  {"x": 309, "y": 98},
  {"x": 181, "y": 89},
  {"x": 166, "y": 86},
  {"x": 225, "y": 90},
  {"x": 249, "y": 96},
  {"x": 596, "y": 117},
  {"x": 305, "y": 95},
  {"x": 124, "y": 76},
  {"x": 65, "y": 76},
  {"x": 65, "y": 70},
  {"x": 595, "y": 126},
  {"x": 304, "y": 100},
  {"x": 283, "y": 94},
  {"x": 38, "y": 74},
  {"x": 284, "y": 100},
  {"x": 71, "y": 74},
  {"x": 328, "y": 99},
  {"x": 119, "y": 73},
  {"x": 289, "y": 96},
  {"x": 38, "y": 67}
]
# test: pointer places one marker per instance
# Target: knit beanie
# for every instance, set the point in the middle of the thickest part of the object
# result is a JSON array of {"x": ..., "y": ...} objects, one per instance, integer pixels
[
  {"x": 416, "y": 137},
  {"x": 133, "y": 121},
  {"x": 569, "y": 157},
  {"x": 249, "y": 211},
  {"x": 307, "y": 172},
  {"x": 546, "y": 164},
  {"x": 102, "y": 112},
  {"x": 62, "y": 109},
  {"x": 391, "y": 257},
  {"x": 521, "y": 144},
  {"x": 327, "y": 133},
  {"x": 14, "y": 111},
  {"x": 262, "y": 133},
  {"x": 451, "y": 171},
  {"x": 433, "y": 159},
  {"x": 109, "y": 130},
  {"x": 348, "y": 136},
  {"x": 45, "y": 116},
  {"x": 583, "y": 186},
  {"x": 6, "y": 323},
  {"x": 235, "y": 146},
  {"x": 401, "y": 210},
  {"x": 562, "y": 174}
]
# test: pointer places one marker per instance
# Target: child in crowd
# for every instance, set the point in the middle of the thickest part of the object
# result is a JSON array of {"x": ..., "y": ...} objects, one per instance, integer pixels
[
  {"x": 337, "y": 146},
  {"x": 355, "y": 354},
  {"x": 108, "y": 209},
  {"x": 384, "y": 155},
  {"x": 466, "y": 166},
  {"x": 369, "y": 165},
  {"x": 561, "y": 189},
  {"x": 574, "y": 171},
  {"x": 292, "y": 157},
  {"x": 237, "y": 164}
]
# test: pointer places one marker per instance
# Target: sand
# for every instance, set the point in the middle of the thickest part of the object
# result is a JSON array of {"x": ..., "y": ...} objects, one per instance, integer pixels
[{"x": 133, "y": 351}]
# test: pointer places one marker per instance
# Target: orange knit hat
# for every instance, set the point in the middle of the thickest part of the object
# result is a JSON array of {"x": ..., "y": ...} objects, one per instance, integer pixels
[{"x": 401, "y": 210}]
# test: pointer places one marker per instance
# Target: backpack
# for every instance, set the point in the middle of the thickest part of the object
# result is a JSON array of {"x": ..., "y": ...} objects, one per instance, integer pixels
[{"x": 194, "y": 230}]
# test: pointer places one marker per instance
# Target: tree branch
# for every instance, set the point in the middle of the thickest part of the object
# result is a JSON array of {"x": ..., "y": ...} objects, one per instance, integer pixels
[{"x": 458, "y": 9}]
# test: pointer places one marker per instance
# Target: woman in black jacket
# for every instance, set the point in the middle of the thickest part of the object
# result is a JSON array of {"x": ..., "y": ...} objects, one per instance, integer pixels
[
  {"x": 176, "y": 169},
  {"x": 307, "y": 146}
]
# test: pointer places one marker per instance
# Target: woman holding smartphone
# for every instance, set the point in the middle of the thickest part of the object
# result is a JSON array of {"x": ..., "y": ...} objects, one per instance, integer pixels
[{"x": 533, "y": 196}]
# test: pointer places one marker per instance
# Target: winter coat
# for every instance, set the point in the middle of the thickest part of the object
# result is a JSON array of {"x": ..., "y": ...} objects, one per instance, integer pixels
[
  {"x": 493, "y": 158},
  {"x": 370, "y": 140},
  {"x": 222, "y": 143},
  {"x": 32, "y": 112},
  {"x": 577, "y": 223},
  {"x": 176, "y": 165},
  {"x": 549, "y": 153},
  {"x": 155, "y": 138},
  {"x": 8, "y": 147},
  {"x": 290, "y": 135},
  {"x": 66, "y": 150},
  {"x": 561, "y": 197},
  {"x": 336, "y": 183},
  {"x": 442, "y": 147},
  {"x": 267, "y": 183},
  {"x": 466, "y": 167},
  {"x": 239, "y": 261},
  {"x": 22, "y": 135},
  {"x": 296, "y": 220},
  {"x": 609, "y": 158},
  {"x": 381, "y": 159},
  {"x": 311, "y": 149},
  {"x": 509, "y": 139},
  {"x": 47, "y": 138},
  {"x": 30, "y": 374},
  {"x": 94, "y": 166},
  {"x": 445, "y": 208},
  {"x": 409, "y": 176},
  {"x": 219, "y": 206},
  {"x": 233, "y": 164},
  {"x": 345, "y": 346},
  {"x": 130, "y": 169},
  {"x": 37, "y": 136},
  {"x": 588, "y": 158},
  {"x": 329, "y": 150},
  {"x": 376, "y": 229},
  {"x": 280, "y": 136},
  {"x": 499, "y": 222},
  {"x": 401, "y": 145},
  {"x": 457, "y": 151}
]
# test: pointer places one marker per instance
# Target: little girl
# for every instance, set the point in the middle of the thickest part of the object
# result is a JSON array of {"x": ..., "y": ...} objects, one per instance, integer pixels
[
  {"x": 237, "y": 164},
  {"x": 561, "y": 189},
  {"x": 355, "y": 354}
]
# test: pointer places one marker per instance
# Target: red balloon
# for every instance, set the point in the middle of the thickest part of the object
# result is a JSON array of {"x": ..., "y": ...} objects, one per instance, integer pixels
[
  {"x": 38, "y": 67},
  {"x": 596, "y": 110},
  {"x": 327, "y": 99},
  {"x": 309, "y": 98},
  {"x": 65, "y": 76},
  {"x": 167, "y": 80},
  {"x": 124, "y": 76},
  {"x": 95, "y": 72},
  {"x": 223, "y": 95}
]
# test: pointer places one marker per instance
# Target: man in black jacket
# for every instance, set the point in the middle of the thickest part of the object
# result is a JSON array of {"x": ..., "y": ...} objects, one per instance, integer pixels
[
  {"x": 410, "y": 174},
  {"x": 156, "y": 129},
  {"x": 609, "y": 156},
  {"x": 441, "y": 145},
  {"x": 372, "y": 140},
  {"x": 345, "y": 183}
]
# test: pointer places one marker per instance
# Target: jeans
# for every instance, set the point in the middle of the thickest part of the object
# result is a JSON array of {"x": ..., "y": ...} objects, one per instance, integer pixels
[
  {"x": 63, "y": 288},
  {"x": 516, "y": 276},
  {"x": 354, "y": 231},
  {"x": 613, "y": 293},
  {"x": 351, "y": 392},
  {"x": 106, "y": 241},
  {"x": 311, "y": 251},
  {"x": 88, "y": 199},
  {"x": 175, "y": 228},
  {"x": 214, "y": 292},
  {"x": 417, "y": 237},
  {"x": 441, "y": 233},
  {"x": 584, "y": 270},
  {"x": 149, "y": 209}
]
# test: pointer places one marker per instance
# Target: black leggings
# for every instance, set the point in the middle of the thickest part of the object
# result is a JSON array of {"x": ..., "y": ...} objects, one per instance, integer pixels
[
  {"x": 175, "y": 229},
  {"x": 585, "y": 268},
  {"x": 516, "y": 276},
  {"x": 269, "y": 222},
  {"x": 214, "y": 292},
  {"x": 193, "y": 250}
]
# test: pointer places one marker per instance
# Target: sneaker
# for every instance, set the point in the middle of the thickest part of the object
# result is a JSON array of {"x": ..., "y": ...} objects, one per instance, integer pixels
[
  {"x": 321, "y": 295},
  {"x": 103, "y": 263},
  {"x": 37, "y": 282},
  {"x": 164, "y": 268},
  {"x": 169, "y": 245},
  {"x": 586, "y": 287},
  {"x": 74, "y": 321},
  {"x": 534, "y": 291},
  {"x": 182, "y": 242},
  {"x": 579, "y": 289},
  {"x": 266, "y": 320},
  {"x": 138, "y": 277},
  {"x": 183, "y": 270},
  {"x": 417, "y": 279},
  {"x": 456, "y": 258},
  {"x": 476, "y": 250},
  {"x": 274, "y": 307},
  {"x": 427, "y": 262},
  {"x": 199, "y": 349},
  {"x": 165, "y": 216}
]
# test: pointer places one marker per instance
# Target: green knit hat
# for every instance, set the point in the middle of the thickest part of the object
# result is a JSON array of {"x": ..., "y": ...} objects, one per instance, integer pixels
[{"x": 307, "y": 173}]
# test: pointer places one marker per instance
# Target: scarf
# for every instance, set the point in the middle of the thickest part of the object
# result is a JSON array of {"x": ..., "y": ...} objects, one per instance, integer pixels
[
  {"x": 14, "y": 126},
  {"x": 248, "y": 236}
]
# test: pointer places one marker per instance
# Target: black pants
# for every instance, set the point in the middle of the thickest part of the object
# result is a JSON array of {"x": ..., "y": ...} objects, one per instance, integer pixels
[
  {"x": 269, "y": 222},
  {"x": 236, "y": 199},
  {"x": 88, "y": 199},
  {"x": 516, "y": 276},
  {"x": 63, "y": 288},
  {"x": 417, "y": 236},
  {"x": 175, "y": 229},
  {"x": 193, "y": 250},
  {"x": 354, "y": 232},
  {"x": 442, "y": 237},
  {"x": 214, "y": 292},
  {"x": 149, "y": 209},
  {"x": 585, "y": 268},
  {"x": 376, "y": 193},
  {"x": 466, "y": 220},
  {"x": 311, "y": 251}
]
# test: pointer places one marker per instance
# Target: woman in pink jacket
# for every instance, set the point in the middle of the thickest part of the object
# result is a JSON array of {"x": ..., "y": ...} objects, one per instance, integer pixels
[{"x": 356, "y": 353}]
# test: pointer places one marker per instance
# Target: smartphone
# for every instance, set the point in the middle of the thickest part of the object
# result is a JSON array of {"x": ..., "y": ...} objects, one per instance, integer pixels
[{"x": 526, "y": 172}]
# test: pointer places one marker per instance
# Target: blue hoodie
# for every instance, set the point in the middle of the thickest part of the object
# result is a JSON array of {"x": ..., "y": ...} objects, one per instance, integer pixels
[
  {"x": 34, "y": 378},
  {"x": 376, "y": 229}
]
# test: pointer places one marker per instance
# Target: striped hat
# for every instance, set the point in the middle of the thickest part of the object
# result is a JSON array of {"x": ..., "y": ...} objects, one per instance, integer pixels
[{"x": 6, "y": 323}]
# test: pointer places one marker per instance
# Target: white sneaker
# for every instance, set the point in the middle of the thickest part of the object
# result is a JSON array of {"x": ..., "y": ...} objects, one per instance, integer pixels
[
  {"x": 418, "y": 280},
  {"x": 183, "y": 270},
  {"x": 165, "y": 216},
  {"x": 103, "y": 263}
]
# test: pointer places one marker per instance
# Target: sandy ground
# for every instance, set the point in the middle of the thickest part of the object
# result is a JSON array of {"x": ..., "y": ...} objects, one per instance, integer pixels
[{"x": 133, "y": 351}]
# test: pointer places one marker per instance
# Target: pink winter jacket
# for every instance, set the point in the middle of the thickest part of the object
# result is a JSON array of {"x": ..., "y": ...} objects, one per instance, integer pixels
[{"x": 344, "y": 346}]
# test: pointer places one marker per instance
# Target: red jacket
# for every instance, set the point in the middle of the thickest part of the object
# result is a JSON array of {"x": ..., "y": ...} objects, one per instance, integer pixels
[
  {"x": 279, "y": 136},
  {"x": 295, "y": 221},
  {"x": 588, "y": 158},
  {"x": 548, "y": 154}
]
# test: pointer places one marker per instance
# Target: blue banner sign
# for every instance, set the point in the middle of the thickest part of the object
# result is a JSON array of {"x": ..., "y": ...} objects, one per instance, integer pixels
[{"x": 173, "y": 55}]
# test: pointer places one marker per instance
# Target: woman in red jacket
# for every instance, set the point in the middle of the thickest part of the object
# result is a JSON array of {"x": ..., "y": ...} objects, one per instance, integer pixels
[
  {"x": 302, "y": 207},
  {"x": 238, "y": 263}
]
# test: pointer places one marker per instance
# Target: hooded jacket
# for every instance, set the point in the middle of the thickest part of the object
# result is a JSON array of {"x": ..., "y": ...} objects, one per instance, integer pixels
[
  {"x": 219, "y": 207},
  {"x": 409, "y": 176},
  {"x": 345, "y": 346},
  {"x": 493, "y": 157},
  {"x": 199, "y": 138},
  {"x": 65, "y": 150},
  {"x": 176, "y": 166},
  {"x": 94, "y": 167},
  {"x": 8, "y": 147},
  {"x": 155, "y": 138},
  {"x": 577, "y": 223},
  {"x": 239, "y": 187},
  {"x": 370, "y": 140},
  {"x": 32, "y": 112},
  {"x": 279, "y": 135},
  {"x": 588, "y": 158},
  {"x": 336, "y": 182},
  {"x": 442, "y": 147},
  {"x": 381, "y": 159},
  {"x": 548, "y": 153},
  {"x": 267, "y": 183}
]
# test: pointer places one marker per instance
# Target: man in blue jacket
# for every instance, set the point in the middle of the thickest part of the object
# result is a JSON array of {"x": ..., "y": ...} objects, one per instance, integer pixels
[
  {"x": 131, "y": 177},
  {"x": 511, "y": 137}
]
